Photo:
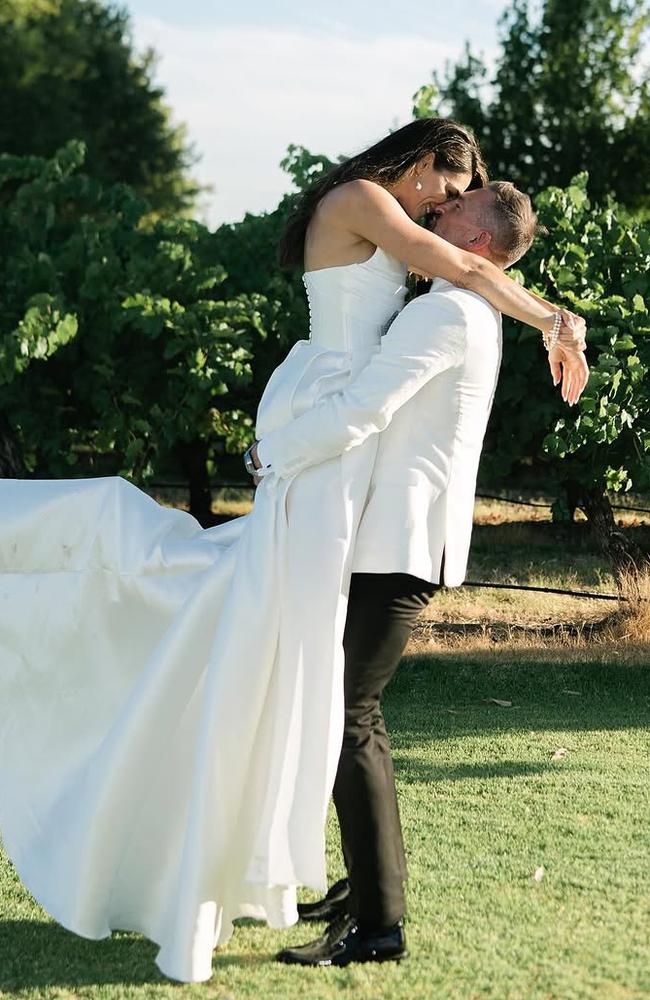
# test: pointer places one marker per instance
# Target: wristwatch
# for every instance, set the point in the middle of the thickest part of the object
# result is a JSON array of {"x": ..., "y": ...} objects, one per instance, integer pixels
[{"x": 249, "y": 464}]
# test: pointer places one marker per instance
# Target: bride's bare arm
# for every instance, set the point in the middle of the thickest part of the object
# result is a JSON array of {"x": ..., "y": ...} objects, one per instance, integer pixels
[{"x": 369, "y": 211}]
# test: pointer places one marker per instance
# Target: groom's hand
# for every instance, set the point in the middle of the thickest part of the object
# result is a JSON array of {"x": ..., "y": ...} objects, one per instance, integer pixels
[{"x": 567, "y": 361}]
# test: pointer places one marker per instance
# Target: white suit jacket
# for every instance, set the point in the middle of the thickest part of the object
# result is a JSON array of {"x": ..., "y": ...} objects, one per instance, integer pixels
[{"x": 429, "y": 390}]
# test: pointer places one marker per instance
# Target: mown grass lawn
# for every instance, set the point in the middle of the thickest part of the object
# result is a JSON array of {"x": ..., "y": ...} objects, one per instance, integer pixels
[{"x": 484, "y": 806}]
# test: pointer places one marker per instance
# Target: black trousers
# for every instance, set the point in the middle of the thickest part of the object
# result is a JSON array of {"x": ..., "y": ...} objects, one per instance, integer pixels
[{"x": 382, "y": 610}]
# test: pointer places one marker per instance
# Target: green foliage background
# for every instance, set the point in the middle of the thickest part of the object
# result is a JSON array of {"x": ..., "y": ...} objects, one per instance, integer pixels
[
  {"x": 134, "y": 340},
  {"x": 117, "y": 345},
  {"x": 68, "y": 71},
  {"x": 596, "y": 260},
  {"x": 570, "y": 92}
]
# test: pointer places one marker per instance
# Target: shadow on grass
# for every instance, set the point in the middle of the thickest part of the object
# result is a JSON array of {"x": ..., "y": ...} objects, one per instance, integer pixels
[
  {"x": 37, "y": 954},
  {"x": 574, "y": 538},
  {"x": 447, "y": 695},
  {"x": 41, "y": 953}
]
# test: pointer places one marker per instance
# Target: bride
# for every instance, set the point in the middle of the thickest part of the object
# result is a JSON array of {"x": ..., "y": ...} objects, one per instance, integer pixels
[{"x": 171, "y": 696}]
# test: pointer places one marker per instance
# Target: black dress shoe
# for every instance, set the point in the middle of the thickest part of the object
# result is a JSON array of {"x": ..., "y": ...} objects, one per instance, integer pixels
[
  {"x": 329, "y": 908},
  {"x": 344, "y": 942}
]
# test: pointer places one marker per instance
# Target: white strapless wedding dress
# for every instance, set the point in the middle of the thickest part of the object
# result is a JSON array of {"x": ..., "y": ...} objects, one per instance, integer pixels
[{"x": 171, "y": 697}]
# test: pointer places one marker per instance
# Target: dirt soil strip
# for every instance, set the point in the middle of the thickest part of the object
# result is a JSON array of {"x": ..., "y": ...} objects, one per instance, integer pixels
[{"x": 503, "y": 631}]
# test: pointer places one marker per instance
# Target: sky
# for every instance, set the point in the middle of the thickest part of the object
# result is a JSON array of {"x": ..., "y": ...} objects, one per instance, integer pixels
[{"x": 249, "y": 78}]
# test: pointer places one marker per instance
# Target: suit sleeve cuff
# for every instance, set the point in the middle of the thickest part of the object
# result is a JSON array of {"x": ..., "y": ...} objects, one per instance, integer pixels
[
  {"x": 266, "y": 467},
  {"x": 272, "y": 453}
]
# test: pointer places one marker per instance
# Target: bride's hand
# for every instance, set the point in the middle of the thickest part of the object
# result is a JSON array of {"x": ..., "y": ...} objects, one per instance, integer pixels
[
  {"x": 567, "y": 361},
  {"x": 573, "y": 332}
]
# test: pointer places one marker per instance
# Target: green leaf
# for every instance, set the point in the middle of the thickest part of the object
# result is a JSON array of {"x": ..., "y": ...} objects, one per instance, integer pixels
[
  {"x": 577, "y": 195},
  {"x": 624, "y": 343}
]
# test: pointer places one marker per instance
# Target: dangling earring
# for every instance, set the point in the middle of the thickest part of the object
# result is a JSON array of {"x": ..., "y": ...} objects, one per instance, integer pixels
[{"x": 418, "y": 185}]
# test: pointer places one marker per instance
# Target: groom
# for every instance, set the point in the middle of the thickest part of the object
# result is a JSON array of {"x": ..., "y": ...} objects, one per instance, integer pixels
[{"x": 432, "y": 384}]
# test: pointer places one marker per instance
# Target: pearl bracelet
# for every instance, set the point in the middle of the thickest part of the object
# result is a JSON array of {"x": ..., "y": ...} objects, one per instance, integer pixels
[{"x": 551, "y": 338}]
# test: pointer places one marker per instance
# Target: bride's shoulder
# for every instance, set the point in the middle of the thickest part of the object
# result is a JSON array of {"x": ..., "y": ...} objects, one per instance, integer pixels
[{"x": 352, "y": 196}]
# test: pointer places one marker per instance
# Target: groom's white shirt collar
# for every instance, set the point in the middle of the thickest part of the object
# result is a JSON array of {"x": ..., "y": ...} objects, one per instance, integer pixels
[
  {"x": 442, "y": 285},
  {"x": 438, "y": 284}
]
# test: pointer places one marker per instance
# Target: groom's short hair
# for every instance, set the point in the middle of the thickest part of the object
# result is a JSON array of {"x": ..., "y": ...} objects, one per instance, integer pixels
[{"x": 513, "y": 222}]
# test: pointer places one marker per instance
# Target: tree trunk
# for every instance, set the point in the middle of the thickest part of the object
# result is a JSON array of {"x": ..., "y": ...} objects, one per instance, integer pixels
[
  {"x": 11, "y": 460},
  {"x": 626, "y": 558},
  {"x": 194, "y": 460},
  {"x": 563, "y": 510},
  {"x": 573, "y": 493}
]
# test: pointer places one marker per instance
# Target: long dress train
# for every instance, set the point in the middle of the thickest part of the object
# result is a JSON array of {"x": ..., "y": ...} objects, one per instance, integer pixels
[{"x": 171, "y": 697}]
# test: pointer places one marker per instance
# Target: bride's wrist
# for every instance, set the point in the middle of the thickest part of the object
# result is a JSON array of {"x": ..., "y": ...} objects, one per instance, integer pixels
[
  {"x": 551, "y": 331},
  {"x": 545, "y": 323}
]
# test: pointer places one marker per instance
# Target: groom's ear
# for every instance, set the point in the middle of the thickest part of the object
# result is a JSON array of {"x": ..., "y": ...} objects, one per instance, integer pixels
[{"x": 480, "y": 241}]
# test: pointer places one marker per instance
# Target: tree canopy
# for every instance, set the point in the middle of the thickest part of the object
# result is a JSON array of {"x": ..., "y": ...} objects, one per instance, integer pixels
[
  {"x": 69, "y": 71},
  {"x": 119, "y": 351},
  {"x": 570, "y": 92}
]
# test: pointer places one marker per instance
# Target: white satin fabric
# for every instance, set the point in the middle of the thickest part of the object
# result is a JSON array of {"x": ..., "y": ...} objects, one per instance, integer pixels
[{"x": 170, "y": 697}]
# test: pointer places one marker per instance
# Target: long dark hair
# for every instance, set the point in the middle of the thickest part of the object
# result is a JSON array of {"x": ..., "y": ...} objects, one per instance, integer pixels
[{"x": 455, "y": 149}]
